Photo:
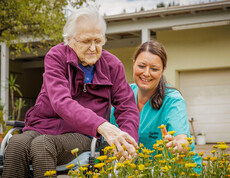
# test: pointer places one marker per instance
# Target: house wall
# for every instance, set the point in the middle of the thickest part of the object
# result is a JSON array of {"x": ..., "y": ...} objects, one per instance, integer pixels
[
  {"x": 125, "y": 54},
  {"x": 195, "y": 49}
]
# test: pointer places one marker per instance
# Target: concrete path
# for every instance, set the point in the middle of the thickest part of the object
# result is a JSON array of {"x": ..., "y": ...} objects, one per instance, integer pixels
[{"x": 207, "y": 148}]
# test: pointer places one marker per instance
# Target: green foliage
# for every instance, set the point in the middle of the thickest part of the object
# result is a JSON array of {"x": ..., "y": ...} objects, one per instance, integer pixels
[
  {"x": 19, "y": 104},
  {"x": 161, "y": 5},
  {"x": 13, "y": 86},
  {"x": 37, "y": 19}
]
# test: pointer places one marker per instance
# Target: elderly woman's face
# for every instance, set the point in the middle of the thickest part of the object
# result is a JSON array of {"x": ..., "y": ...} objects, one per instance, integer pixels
[{"x": 88, "y": 44}]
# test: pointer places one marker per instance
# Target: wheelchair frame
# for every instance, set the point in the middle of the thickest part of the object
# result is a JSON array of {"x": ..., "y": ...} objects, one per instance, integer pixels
[{"x": 18, "y": 125}]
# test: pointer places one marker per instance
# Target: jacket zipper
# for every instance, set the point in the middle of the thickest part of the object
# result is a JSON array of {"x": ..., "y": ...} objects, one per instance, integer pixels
[{"x": 84, "y": 88}]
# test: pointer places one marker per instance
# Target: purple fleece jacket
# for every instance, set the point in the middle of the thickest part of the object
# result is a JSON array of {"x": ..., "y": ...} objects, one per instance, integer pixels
[{"x": 65, "y": 104}]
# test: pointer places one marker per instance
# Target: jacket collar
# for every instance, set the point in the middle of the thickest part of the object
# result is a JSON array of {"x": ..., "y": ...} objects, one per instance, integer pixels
[{"x": 102, "y": 72}]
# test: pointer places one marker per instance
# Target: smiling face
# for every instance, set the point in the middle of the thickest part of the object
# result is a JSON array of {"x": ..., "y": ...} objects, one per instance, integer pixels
[
  {"x": 147, "y": 71},
  {"x": 88, "y": 43}
]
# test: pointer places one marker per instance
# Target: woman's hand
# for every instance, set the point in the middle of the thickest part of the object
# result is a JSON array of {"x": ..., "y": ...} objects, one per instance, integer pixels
[
  {"x": 177, "y": 141},
  {"x": 113, "y": 135}
]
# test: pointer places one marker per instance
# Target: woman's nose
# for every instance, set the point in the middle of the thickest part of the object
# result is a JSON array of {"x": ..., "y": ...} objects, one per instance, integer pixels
[
  {"x": 92, "y": 46},
  {"x": 146, "y": 71}
]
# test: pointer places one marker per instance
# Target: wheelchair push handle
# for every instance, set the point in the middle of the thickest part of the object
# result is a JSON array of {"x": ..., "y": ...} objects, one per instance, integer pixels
[{"x": 16, "y": 123}]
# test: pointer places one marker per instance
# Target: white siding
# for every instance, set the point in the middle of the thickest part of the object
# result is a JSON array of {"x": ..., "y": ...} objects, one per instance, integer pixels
[{"x": 207, "y": 94}]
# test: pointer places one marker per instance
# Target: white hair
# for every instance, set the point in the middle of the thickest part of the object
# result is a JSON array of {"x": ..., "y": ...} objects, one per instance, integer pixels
[{"x": 90, "y": 14}]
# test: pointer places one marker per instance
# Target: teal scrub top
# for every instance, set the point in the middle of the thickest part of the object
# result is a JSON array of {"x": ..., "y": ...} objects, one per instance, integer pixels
[{"x": 173, "y": 114}]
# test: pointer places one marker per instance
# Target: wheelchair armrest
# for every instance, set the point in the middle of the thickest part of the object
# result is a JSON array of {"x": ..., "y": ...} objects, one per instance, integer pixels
[
  {"x": 16, "y": 123},
  {"x": 6, "y": 139}
]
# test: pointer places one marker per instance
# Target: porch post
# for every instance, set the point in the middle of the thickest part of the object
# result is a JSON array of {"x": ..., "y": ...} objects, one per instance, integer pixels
[
  {"x": 4, "y": 79},
  {"x": 145, "y": 35}
]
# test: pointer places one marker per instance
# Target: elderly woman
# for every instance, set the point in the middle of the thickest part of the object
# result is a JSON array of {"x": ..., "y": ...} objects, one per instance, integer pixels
[
  {"x": 80, "y": 83},
  {"x": 158, "y": 103}
]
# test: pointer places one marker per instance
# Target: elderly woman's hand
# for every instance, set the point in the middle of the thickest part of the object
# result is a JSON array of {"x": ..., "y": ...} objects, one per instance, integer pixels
[{"x": 113, "y": 135}]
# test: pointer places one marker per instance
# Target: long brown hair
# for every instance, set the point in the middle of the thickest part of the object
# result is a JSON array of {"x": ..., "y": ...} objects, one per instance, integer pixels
[{"x": 155, "y": 48}]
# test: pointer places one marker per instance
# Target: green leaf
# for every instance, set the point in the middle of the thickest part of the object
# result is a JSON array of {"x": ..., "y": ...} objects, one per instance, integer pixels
[{"x": 37, "y": 18}]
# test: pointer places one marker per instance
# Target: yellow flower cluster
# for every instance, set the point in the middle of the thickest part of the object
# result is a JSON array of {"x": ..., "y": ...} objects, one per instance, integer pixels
[
  {"x": 158, "y": 162},
  {"x": 50, "y": 173}
]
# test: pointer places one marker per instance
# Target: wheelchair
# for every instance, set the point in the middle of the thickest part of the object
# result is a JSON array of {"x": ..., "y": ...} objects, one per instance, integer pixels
[{"x": 84, "y": 158}]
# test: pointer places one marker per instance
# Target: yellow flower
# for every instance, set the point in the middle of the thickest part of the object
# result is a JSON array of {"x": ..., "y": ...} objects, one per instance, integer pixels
[
  {"x": 191, "y": 153},
  {"x": 162, "y": 161},
  {"x": 120, "y": 165},
  {"x": 85, "y": 165},
  {"x": 213, "y": 151},
  {"x": 108, "y": 148},
  {"x": 141, "y": 167},
  {"x": 151, "y": 151},
  {"x": 50, "y": 173},
  {"x": 204, "y": 164},
  {"x": 158, "y": 156},
  {"x": 223, "y": 147},
  {"x": 214, "y": 146},
  {"x": 141, "y": 145},
  {"x": 162, "y": 126},
  {"x": 221, "y": 162},
  {"x": 155, "y": 146},
  {"x": 201, "y": 153},
  {"x": 190, "y": 142},
  {"x": 112, "y": 158},
  {"x": 102, "y": 158},
  {"x": 171, "y": 132},
  {"x": 181, "y": 156},
  {"x": 127, "y": 162},
  {"x": 164, "y": 169},
  {"x": 74, "y": 151},
  {"x": 183, "y": 145},
  {"x": 109, "y": 169},
  {"x": 95, "y": 176},
  {"x": 70, "y": 166},
  {"x": 190, "y": 165},
  {"x": 221, "y": 143},
  {"x": 160, "y": 142},
  {"x": 83, "y": 169},
  {"x": 213, "y": 159},
  {"x": 208, "y": 157},
  {"x": 141, "y": 155},
  {"x": 182, "y": 173},
  {"x": 190, "y": 139},
  {"x": 108, "y": 161},
  {"x": 194, "y": 174},
  {"x": 89, "y": 173},
  {"x": 160, "y": 149},
  {"x": 99, "y": 165},
  {"x": 133, "y": 165},
  {"x": 131, "y": 176},
  {"x": 145, "y": 150}
]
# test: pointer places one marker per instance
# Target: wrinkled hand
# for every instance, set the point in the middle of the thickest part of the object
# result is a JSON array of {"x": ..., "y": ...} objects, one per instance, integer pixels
[
  {"x": 113, "y": 135},
  {"x": 177, "y": 141}
]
